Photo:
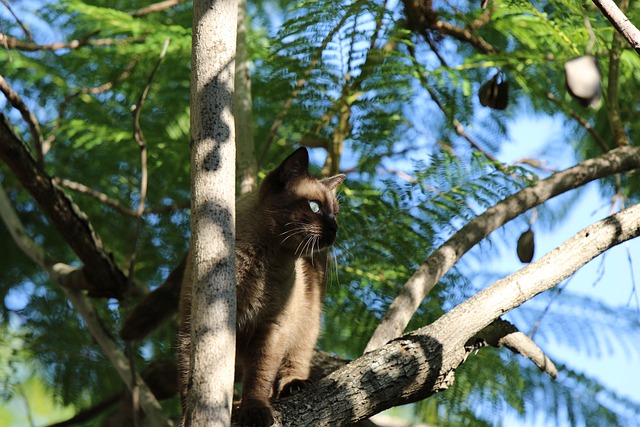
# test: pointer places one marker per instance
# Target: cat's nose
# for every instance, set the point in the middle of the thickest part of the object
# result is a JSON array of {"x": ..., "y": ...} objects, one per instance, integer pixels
[{"x": 332, "y": 225}]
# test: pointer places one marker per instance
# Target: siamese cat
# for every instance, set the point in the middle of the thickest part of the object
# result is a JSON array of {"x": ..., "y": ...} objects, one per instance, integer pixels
[{"x": 283, "y": 231}]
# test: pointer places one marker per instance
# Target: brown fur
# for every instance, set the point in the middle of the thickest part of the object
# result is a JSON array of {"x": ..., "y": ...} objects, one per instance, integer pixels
[{"x": 281, "y": 260}]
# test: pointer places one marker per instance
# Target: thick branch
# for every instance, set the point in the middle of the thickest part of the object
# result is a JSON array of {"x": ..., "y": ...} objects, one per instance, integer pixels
[
  {"x": 502, "y": 333},
  {"x": 419, "y": 364},
  {"x": 422, "y": 18},
  {"x": 82, "y": 304},
  {"x": 620, "y": 21},
  {"x": 442, "y": 259},
  {"x": 65, "y": 215}
]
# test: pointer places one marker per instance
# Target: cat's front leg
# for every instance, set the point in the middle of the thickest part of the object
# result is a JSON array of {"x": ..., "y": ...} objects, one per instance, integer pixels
[{"x": 261, "y": 360}]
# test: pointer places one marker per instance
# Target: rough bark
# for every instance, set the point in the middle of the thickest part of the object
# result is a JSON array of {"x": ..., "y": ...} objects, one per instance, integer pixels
[
  {"x": 106, "y": 278},
  {"x": 58, "y": 272},
  {"x": 213, "y": 305},
  {"x": 442, "y": 259},
  {"x": 624, "y": 26},
  {"x": 423, "y": 362}
]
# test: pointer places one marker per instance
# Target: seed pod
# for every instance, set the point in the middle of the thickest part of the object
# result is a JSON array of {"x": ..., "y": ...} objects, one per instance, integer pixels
[
  {"x": 494, "y": 93},
  {"x": 526, "y": 246},
  {"x": 583, "y": 79}
]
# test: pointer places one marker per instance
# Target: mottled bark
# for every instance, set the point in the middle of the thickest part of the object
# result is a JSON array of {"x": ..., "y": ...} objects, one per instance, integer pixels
[
  {"x": 213, "y": 304},
  {"x": 103, "y": 277}
]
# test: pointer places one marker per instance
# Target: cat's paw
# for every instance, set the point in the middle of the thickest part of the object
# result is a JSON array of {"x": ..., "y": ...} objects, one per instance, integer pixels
[
  {"x": 254, "y": 413},
  {"x": 293, "y": 387}
]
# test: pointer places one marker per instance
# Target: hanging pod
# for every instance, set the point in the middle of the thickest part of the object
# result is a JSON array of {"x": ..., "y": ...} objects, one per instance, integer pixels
[
  {"x": 494, "y": 93},
  {"x": 583, "y": 79},
  {"x": 526, "y": 246}
]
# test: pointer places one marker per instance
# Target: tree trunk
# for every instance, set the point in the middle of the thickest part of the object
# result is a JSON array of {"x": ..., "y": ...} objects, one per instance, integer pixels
[
  {"x": 247, "y": 168},
  {"x": 213, "y": 304}
]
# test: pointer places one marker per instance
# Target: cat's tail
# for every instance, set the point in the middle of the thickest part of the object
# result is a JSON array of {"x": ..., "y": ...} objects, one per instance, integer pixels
[{"x": 156, "y": 307}]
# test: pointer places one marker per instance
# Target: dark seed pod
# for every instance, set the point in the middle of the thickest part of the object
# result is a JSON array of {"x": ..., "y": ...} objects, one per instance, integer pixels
[
  {"x": 526, "y": 246},
  {"x": 583, "y": 79},
  {"x": 494, "y": 93}
]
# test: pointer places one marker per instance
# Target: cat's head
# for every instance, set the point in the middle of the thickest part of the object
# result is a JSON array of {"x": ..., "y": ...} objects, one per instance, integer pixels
[{"x": 302, "y": 209}]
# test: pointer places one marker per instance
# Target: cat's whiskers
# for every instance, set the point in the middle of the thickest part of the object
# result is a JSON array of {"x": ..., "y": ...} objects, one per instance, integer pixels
[{"x": 299, "y": 229}]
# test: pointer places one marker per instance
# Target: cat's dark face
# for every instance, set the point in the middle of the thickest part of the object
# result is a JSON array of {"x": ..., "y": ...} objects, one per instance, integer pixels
[{"x": 303, "y": 209}]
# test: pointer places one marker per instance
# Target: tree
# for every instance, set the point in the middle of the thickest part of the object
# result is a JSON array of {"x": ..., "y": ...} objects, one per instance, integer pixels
[
  {"x": 97, "y": 207},
  {"x": 211, "y": 323}
]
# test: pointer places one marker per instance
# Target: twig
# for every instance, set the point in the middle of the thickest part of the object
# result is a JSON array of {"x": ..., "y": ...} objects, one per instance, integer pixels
[
  {"x": 155, "y": 7},
  {"x": 140, "y": 140},
  {"x": 535, "y": 163},
  {"x": 459, "y": 128},
  {"x": 545, "y": 311},
  {"x": 89, "y": 91},
  {"x": 442, "y": 259},
  {"x": 89, "y": 413},
  {"x": 620, "y": 21},
  {"x": 502, "y": 333},
  {"x": 422, "y": 20},
  {"x": 17, "y": 103},
  {"x": 246, "y": 162},
  {"x": 24, "y": 28},
  {"x": 27, "y": 406},
  {"x": 81, "y": 188},
  {"x": 284, "y": 110},
  {"x": 13, "y": 43},
  {"x": 585, "y": 124}
]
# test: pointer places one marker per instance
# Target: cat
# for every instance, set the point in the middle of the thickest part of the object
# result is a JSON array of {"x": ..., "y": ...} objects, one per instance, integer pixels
[{"x": 283, "y": 232}]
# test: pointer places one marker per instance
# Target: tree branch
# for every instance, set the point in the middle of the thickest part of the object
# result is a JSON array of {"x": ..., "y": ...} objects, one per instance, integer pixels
[
  {"x": 502, "y": 333},
  {"x": 155, "y": 7},
  {"x": 585, "y": 124},
  {"x": 442, "y": 259},
  {"x": 422, "y": 18},
  {"x": 613, "y": 108},
  {"x": 13, "y": 43},
  {"x": 300, "y": 84},
  {"x": 620, "y": 21},
  {"x": 16, "y": 101},
  {"x": 64, "y": 214},
  {"x": 419, "y": 364},
  {"x": 458, "y": 127},
  {"x": 86, "y": 90},
  {"x": 246, "y": 164},
  {"x": 103, "y": 198},
  {"x": 149, "y": 404},
  {"x": 138, "y": 136},
  {"x": 81, "y": 188},
  {"x": 18, "y": 21}
]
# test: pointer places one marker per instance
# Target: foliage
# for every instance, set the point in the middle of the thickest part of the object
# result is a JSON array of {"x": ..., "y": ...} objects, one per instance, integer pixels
[{"x": 352, "y": 78}]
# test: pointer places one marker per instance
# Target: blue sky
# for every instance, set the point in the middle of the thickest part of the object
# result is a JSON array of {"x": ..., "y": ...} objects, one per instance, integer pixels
[{"x": 619, "y": 369}]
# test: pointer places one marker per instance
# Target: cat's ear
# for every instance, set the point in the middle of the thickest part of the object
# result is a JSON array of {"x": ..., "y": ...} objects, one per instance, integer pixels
[
  {"x": 333, "y": 181},
  {"x": 294, "y": 166}
]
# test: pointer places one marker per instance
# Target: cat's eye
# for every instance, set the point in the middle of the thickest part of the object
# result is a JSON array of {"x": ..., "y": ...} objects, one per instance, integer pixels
[{"x": 315, "y": 206}]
